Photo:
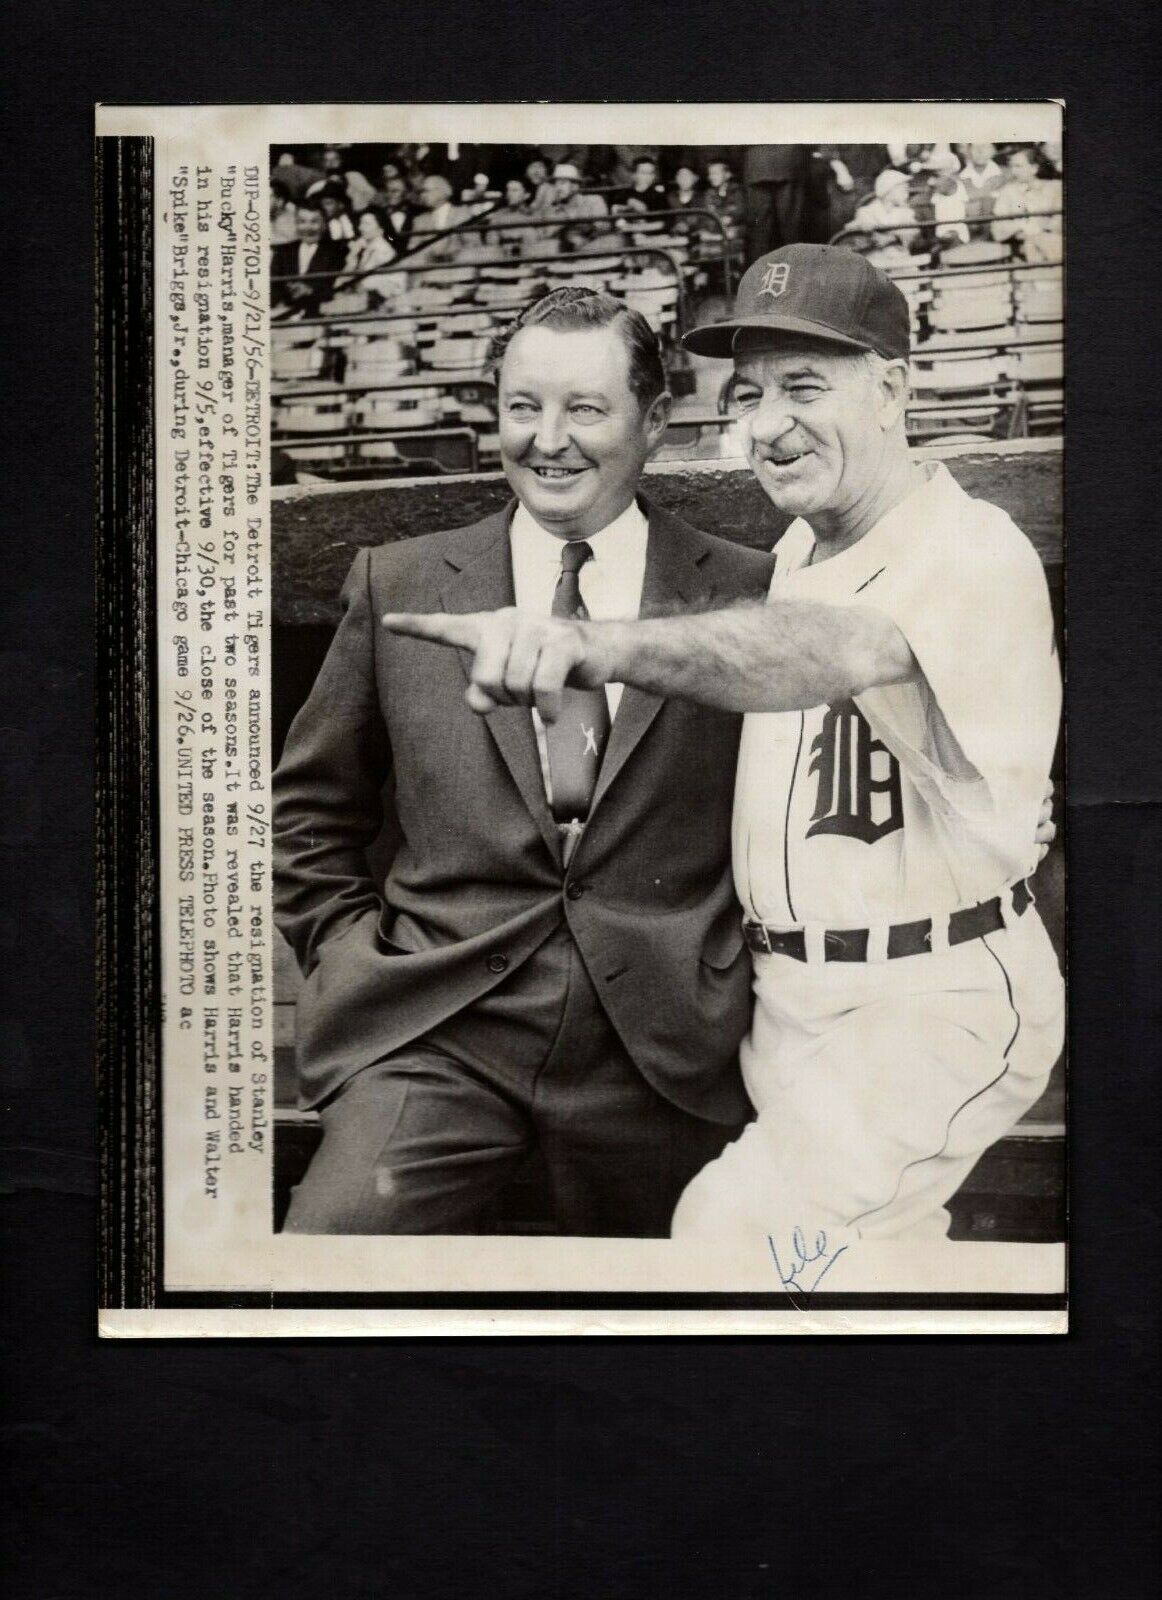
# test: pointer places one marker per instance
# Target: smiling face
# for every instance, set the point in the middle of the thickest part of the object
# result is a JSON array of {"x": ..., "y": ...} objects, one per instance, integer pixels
[
  {"x": 815, "y": 423},
  {"x": 309, "y": 224},
  {"x": 573, "y": 435},
  {"x": 1022, "y": 166}
]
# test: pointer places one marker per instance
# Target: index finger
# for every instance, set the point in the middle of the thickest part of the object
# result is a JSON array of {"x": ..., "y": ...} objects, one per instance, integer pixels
[{"x": 441, "y": 627}]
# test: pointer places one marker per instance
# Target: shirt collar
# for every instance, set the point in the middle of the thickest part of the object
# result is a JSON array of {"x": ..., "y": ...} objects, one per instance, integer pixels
[
  {"x": 619, "y": 543},
  {"x": 913, "y": 515}
]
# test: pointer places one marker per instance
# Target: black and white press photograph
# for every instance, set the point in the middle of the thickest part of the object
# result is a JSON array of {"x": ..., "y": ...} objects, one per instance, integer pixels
[{"x": 665, "y": 698}]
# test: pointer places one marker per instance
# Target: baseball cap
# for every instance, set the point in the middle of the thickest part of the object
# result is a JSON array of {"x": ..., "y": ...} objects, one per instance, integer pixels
[
  {"x": 890, "y": 178},
  {"x": 822, "y": 291},
  {"x": 566, "y": 169}
]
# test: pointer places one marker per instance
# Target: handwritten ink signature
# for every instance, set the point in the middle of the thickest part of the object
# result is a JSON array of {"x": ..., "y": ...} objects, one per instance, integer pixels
[{"x": 807, "y": 1265}]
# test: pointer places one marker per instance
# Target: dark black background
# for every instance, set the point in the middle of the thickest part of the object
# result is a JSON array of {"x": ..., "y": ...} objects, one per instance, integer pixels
[{"x": 601, "y": 1467}]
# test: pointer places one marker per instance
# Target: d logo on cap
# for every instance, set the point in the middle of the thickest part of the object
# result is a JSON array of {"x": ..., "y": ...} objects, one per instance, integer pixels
[{"x": 774, "y": 279}]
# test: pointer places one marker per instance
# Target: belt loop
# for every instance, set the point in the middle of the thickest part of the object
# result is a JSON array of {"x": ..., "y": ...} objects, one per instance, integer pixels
[
  {"x": 814, "y": 943},
  {"x": 938, "y": 939},
  {"x": 1008, "y": 909},
  {"x": 877, "y": 942}
]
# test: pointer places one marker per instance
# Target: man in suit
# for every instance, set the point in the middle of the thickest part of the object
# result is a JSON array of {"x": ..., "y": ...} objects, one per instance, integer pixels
[
  {"x": 302, "y": 272},
  {"x": 776, "y": 178},
  {"x": 556, "y": 956},
  {"x": 437, "y": 216},
  {"x": 398, "y": 213}
]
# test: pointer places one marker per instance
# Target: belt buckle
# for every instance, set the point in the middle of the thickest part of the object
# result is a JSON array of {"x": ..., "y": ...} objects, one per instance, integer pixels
[{"x": 768, "y": 947}]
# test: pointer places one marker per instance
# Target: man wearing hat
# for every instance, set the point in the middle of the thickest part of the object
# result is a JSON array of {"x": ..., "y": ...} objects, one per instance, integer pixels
[
  {"x": 902, "y": 693},
  {"x": 587, "y": 214}
]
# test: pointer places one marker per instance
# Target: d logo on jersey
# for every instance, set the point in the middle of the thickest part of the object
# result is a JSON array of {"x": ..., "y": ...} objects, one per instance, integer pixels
[{"x": 859, "y": 779}]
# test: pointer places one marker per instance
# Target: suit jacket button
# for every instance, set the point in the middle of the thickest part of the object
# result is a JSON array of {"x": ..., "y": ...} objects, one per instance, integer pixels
[
  {"x": 498, "y": 963},
  {"x": 574, "y": 891}
]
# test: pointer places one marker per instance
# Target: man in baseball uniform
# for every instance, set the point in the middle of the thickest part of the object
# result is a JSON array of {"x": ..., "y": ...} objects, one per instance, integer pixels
[{"x": 903, "y": 693}]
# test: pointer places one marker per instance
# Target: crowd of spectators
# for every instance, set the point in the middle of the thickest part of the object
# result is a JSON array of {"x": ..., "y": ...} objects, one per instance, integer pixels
[
  {"x": 351, "y": 224},
  {"x": 928, "y": 196},
  {"x": 906, "y": 196},
  {"x": 422, "y": 199}
]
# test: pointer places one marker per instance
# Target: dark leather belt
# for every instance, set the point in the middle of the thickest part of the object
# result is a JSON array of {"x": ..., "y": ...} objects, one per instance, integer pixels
[{"x": 904, "y": 938}]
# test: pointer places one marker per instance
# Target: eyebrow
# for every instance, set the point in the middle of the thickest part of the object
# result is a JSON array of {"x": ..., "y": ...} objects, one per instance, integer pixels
[
  {"x": 573, "y": 394},
  {"x": 787, "y": 377}
]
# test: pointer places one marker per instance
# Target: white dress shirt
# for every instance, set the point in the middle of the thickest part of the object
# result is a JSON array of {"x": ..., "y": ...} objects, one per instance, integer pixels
[{"x": 610, "y": 582}]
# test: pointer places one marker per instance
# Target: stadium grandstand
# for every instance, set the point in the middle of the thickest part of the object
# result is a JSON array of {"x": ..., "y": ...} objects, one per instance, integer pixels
[{"x": 393, "y": 267}]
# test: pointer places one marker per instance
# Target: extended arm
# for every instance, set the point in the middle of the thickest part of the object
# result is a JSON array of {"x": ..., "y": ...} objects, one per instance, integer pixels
[{"x": 784, "y": 655}]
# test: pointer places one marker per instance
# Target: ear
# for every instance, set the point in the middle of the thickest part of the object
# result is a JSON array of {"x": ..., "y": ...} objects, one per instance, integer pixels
[
  {"x": 657, "y": 419},
  {"x": 894, "y": 385}
]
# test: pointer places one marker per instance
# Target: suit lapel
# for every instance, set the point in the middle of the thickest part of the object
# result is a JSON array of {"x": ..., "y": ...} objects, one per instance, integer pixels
[
  {"x": 478, "y": 577},
  {"x": 672, "y": 576}
]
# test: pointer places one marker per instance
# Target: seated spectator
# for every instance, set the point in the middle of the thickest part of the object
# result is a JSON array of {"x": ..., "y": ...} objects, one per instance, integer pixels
[
  {"x": 391, "y": 168},
  {"x": 851, "y": 171},
  {"x": 981, "y": 177},
  {"x": 949, "y": 201},
  {"x": 1021, "y": 209},
  {"x": 475, "y": 197},
  {"x": 332, "y": 197},
  {"x": 437, "y": 215},
  {"x": 543, "y": 191},
  {"x": 587, "y": 214},
  {"x": 458, "y": 163},
  {"x": 645, "y": 193},
  {"x": 282, "y": 213},
  {"x": 372, "y": 248},
  {"x": 517, "y": 209},
  {"x": 303, "y": 272},
  {"x": 358, "y": 191},
  {"x": 396, "y": 210},
  {"x": 885, "y": 219},
  {"x": 685, "y": 194},
  {"x": 623, "y": 164},
  {"x": 724, "y": 195}
]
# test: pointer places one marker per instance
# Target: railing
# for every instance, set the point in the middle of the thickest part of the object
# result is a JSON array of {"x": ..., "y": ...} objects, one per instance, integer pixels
[
  {"x": 430, "y": 379},
  {"x": 579, "y": 258},
  {"x": 305, "y": 442},
  {"x": 931, "y": 224}
]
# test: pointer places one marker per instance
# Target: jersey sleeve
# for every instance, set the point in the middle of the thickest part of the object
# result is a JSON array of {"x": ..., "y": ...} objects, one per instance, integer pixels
[{"x": 978, "y": 737}]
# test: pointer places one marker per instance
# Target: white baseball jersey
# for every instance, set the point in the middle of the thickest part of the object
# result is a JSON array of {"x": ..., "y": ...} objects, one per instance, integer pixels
[
  {"x": 877, "y": 1084},
  {"x": 917, "y": 798}
]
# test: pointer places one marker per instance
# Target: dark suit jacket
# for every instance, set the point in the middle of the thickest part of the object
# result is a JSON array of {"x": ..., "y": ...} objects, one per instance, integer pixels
[
  {"x": 477, "y": 875},
  {"x": 776, "y": 163},
  {"x": 330, "y": 258}
]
